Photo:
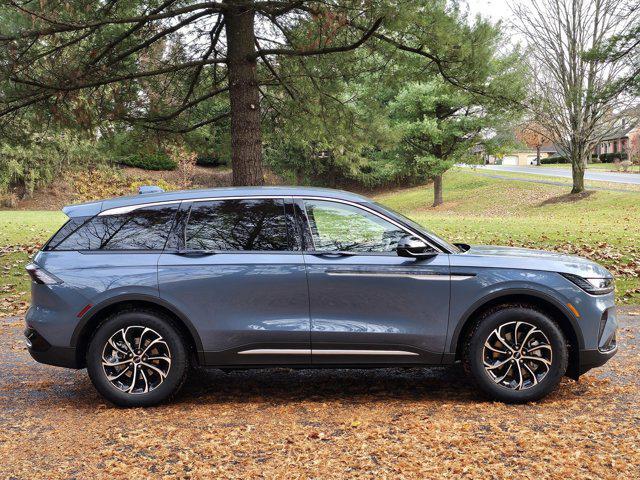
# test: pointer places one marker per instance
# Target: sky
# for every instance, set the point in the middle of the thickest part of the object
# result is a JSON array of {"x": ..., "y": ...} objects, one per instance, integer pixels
[{"x": 494, "y": 9}]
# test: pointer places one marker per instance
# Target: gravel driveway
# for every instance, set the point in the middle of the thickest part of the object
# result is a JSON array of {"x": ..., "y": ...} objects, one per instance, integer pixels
[{"x": 280, "y": 423}]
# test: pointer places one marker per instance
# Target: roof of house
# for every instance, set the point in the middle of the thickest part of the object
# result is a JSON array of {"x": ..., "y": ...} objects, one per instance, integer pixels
[
  {"x": 619, "y": 133},
  {"x": 93, "y": 208},
  {"x": 549, "y": 149}
]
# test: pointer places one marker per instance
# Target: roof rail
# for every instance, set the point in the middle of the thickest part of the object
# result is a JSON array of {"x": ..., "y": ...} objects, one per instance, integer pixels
[{"x": 144, "y": 189}]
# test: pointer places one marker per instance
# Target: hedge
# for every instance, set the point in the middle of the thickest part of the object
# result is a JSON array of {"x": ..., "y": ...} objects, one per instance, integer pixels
[
  {"x": 150, "y": 161},
  {"x": 611, "y": 157},
  {"x": 555, "y": 159}
]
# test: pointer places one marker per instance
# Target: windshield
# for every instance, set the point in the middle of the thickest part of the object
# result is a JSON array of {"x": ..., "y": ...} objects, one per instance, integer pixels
[{"x": 420, "y": 228}]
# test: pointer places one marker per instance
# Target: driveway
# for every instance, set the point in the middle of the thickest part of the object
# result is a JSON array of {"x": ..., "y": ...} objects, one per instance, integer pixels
[
  {"x": 614, "y": 177},
  {"x": 281, "y": 423}
]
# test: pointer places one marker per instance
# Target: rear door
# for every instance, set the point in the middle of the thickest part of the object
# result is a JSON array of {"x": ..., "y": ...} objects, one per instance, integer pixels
[
  {"x": 367, "y": 304},
  {"x": 235, "y": 269}
]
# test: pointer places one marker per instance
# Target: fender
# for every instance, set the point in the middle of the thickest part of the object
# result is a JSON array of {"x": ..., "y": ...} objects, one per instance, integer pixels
[
  {"x": 511, "y": 292},
  {"x": 96, "y": 309}
]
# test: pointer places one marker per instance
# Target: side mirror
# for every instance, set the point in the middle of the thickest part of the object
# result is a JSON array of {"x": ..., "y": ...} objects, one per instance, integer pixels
[{"x": 412, "y": 247}]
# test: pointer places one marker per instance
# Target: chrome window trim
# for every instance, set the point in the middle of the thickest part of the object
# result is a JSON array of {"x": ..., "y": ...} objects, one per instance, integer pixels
[{"x": 131, "y": 208}]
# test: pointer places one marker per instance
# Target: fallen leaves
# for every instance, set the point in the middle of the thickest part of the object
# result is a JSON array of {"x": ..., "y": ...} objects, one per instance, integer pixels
[{"x": 282, "y": 423}]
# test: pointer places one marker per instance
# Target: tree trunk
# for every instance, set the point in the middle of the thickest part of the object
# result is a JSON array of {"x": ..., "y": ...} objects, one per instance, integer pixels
[
  {"x": 577, "y": 169},
  {"x": 537, "y": 154},
  {"x": 246, "y": 143},
  {"x": 437, "y": 190}
]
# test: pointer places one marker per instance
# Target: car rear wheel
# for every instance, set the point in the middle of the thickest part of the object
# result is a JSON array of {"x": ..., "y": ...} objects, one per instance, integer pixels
[
  {"x": 516, "y": 354},
  {"x": 137, "y": 358}
]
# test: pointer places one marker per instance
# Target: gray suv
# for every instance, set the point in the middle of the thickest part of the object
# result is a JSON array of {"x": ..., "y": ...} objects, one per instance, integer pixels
[{"x": 139, "y": 289}]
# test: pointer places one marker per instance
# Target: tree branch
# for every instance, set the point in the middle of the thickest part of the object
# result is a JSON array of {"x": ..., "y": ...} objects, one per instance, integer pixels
[
  {"x": 131, "y": 76},
  {"x": 320, "y": 51},
  {"x": 215, "y": 6}
]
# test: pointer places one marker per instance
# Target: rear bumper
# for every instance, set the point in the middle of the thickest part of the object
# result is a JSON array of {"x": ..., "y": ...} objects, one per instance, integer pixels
[{"x": 43, "y": 352}]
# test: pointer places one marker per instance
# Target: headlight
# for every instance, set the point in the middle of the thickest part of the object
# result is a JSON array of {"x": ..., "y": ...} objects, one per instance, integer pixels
[{"x": 594, "y": 286}]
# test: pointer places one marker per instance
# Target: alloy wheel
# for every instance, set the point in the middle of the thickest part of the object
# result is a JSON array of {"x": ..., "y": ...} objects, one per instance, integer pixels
[
  {"x": 136, "y": 359},
  {"x": 517, "y": 355}
]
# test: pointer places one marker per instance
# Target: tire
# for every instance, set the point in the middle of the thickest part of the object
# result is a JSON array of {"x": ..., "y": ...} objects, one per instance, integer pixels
[
  {"x": 159, "y": 373},
  {"x": 488, "y": 359}
]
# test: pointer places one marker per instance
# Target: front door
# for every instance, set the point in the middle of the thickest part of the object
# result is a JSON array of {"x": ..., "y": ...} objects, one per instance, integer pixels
[
  {"x": 367, "y": 304},
  {"x": 236, "y": 272}
]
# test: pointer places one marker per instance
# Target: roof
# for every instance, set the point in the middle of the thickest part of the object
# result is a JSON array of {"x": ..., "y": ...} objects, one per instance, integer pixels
[
  {"x": 620, "y": 133},
  {"x": 93, "y": 208},
  {"x": 548, "y": 149}
]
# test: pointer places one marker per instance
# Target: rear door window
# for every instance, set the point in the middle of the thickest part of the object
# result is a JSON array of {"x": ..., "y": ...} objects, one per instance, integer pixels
[
  {"x": 145, "y": 228},
  {"x": 237, "y": 225}
]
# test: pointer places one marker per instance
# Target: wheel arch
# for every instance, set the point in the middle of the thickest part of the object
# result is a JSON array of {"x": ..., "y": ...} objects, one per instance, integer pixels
[
  {"x": 549, "y": 305},
  {"x": 97, "y": 313}
]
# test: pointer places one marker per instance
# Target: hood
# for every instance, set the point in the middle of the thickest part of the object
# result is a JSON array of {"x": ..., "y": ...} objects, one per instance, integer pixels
[{"x": 529, "y": 259}]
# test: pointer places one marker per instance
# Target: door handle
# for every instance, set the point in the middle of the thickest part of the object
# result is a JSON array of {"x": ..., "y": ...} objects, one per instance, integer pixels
[
  {"x": 332, "y": 254},
  {"x": 195, "y": 253}
]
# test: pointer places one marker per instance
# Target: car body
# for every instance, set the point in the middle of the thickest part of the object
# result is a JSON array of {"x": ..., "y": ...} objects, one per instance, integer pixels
[{"x": 302, "y": 277}]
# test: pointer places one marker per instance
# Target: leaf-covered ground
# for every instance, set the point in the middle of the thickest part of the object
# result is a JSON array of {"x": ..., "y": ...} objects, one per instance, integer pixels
[{"x": 393, "y": 423}]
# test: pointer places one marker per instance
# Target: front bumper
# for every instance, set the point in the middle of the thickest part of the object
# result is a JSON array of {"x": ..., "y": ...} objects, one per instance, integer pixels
[
  {"x": 594, "y": 358},
  {"x": 43, "y": 352},
  {"x": 607, "y": 343}
]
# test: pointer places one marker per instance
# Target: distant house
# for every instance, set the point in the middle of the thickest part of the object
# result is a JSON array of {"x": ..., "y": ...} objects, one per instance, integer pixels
[
  {"x": 618, "y": 140},
  {"x": 524, "y": 156}
]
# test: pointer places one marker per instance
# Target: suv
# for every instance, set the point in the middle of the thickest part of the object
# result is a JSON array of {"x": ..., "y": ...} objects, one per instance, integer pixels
[{"x": 139, "y": 289}]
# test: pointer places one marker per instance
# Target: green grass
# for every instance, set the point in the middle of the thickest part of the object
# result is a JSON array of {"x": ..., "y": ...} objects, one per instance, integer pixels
[
  {"x": 477, "y": 210},
  {"x": 607, "y": 167},
  {"x": 593, "y": 184},
  {"x": 28, "y": 227},
  {"x": 591, "y": 166},
  {"x": 21, "y": 234}
]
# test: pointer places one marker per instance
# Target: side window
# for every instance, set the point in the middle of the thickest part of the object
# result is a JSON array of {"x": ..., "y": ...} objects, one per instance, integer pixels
[
  {"x": 67, "y": 229},
  {"x": 341, "y": 227},
  {"x": 142, "y": 229},
  {"x": 237, "y": 225}
]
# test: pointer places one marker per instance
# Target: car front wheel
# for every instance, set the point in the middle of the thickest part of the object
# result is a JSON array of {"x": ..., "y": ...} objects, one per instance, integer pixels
[
  {"x": 137, "y": 359},
  {"x": 516, "y": 354}
]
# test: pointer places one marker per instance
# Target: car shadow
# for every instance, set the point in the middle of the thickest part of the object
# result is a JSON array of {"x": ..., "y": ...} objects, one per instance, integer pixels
[{"x": 283, "y": 385}]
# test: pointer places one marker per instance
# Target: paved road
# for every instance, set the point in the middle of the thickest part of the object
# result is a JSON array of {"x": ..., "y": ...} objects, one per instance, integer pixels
[{"x": 597, "y": 175}]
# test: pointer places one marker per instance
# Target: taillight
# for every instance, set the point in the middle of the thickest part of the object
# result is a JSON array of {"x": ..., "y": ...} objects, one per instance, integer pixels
[{"x": 40, "y": 275}]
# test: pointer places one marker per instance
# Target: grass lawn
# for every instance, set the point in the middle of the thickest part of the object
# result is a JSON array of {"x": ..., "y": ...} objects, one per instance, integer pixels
[
  {"x": 607, "y": 167},
  {"x": 477, "y": 209},
  {"x": 564, "y": 180}
]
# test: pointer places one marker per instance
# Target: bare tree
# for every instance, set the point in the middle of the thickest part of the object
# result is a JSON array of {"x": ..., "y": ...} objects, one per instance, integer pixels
[{"x": 574, "y": 94}]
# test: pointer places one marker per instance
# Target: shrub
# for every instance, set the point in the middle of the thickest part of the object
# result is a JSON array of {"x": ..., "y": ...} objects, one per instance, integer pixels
[
  {"x": 611, "y": 157},
  {"x": 41, "y": 159},
  {"x": 554, "y": 159},
  {"x": 209, "y": 161},
  {"x": 150, "y": 161}
]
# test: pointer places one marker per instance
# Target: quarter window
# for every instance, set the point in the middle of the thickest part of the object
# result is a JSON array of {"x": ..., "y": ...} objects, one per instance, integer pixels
[
  {"x": 237, "y": 225},
  {"x": 341, "y": 227},
  {"x": 142, "y": 229}
]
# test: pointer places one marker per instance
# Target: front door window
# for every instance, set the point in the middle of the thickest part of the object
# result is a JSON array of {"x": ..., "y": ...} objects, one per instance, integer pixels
[{"x": 345, "y": 228}]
